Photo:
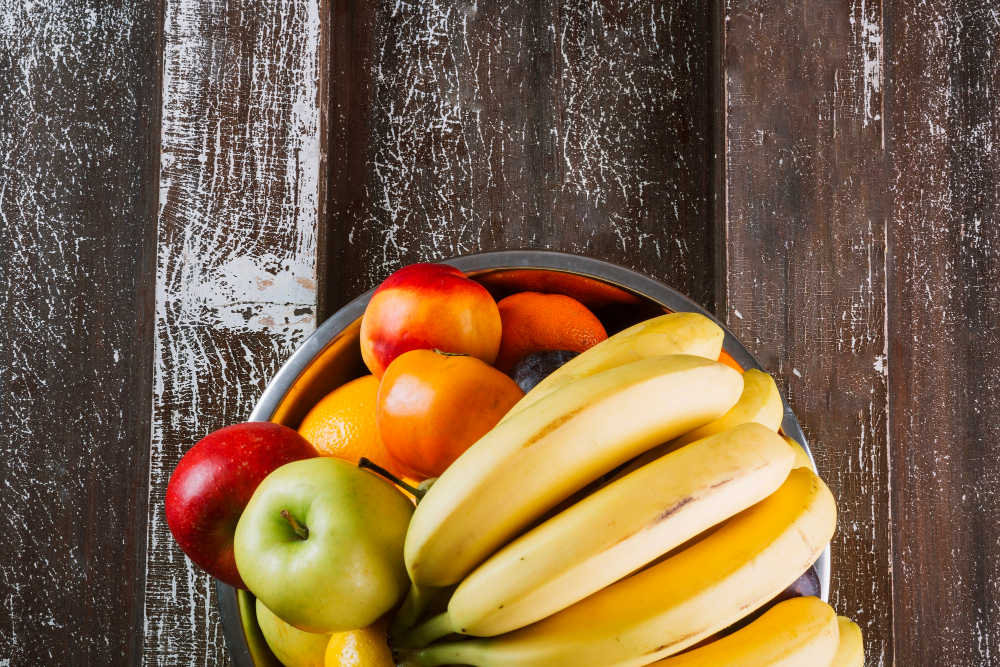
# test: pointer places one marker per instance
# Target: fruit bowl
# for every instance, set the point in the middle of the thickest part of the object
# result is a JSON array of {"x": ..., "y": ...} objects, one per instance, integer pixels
[{"x": 331, "y": 356}]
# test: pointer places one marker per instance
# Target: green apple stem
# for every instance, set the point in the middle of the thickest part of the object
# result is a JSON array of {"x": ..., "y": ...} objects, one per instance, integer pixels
[
  {"x": 433, "y": 628},
  {"x": 300, "y": 530},
  {"x": 417, "y": 492}
]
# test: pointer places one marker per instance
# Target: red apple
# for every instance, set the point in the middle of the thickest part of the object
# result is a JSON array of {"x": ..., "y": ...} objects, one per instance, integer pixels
[
  {"x": 426, "y": 307},
  {"x": 213, "y": 483}
]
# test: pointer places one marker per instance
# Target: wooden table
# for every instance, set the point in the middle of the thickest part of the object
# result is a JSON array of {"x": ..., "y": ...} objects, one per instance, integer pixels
[{"x": 187, "y": 188}]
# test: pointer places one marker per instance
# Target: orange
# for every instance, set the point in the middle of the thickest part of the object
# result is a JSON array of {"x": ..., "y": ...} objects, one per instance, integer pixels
[
  {"x": 367, "y": 647},
  {"x": 727, "y": 359},
  {"x": 535, "y": 322},
  {"x": 343, "y": 424}
]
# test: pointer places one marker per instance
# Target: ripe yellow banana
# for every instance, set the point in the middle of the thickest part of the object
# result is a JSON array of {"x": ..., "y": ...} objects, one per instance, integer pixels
[
  {"x": 851, "y": 652},
  {"x": 675, "y": 333},
  {"x": 614, "y": 532},
  {"x": 801, "y": 632},
  {"x": 675, "y": 604},
  {"x": 802, "y": 459},
  {"x": 760, "y": 402},
  {"x": 529, "y": 463}
]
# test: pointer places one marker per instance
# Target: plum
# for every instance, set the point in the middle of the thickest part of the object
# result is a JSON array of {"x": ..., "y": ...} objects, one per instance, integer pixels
[{"x": 535, "y": 367}]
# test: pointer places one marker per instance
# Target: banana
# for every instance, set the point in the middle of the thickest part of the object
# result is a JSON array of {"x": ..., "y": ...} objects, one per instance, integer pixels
[
  {"x": 527, "y": 464},
  {"x": 801, "y": 632},
  {"x": 613, "y": 532},
  {"x": 802, "y": 459},
  {"x": 760, "y": 402},
  {"x": 675, "y": 333},
  {"x": 675, "y": 604},
  {"x": 851, "y": 652}
]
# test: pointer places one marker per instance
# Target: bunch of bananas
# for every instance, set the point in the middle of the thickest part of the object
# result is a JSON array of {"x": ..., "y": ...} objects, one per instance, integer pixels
[{"x": 548, "y": 563}]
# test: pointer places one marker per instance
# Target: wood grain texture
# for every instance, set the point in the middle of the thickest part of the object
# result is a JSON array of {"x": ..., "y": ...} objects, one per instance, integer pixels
[
  {"x": 578, "y": 125},
  {"x": 942, "y": 133},
  {"x": 806, "y": 258},
  {"x": 236, "y": 253},
  {"x": 79, "y": 149}
]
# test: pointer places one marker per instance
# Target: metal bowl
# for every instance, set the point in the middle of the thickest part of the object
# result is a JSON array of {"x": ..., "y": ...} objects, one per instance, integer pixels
[{"x": 332, "y": 356}]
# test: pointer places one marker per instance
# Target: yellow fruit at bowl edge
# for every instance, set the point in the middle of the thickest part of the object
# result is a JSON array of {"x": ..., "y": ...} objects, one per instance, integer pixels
[
  {"x": 291, "y": 646},
  {"x": 366, "y": 647}
]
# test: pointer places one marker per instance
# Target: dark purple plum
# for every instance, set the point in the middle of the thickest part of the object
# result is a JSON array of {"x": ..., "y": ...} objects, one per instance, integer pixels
[{"x": 534, "y": 368}]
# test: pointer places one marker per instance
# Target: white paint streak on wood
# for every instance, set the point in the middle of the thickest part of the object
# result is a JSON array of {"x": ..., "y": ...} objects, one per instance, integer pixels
[
  {"x": 236, "y": 283},
  {"x": 866, "y": 20}
]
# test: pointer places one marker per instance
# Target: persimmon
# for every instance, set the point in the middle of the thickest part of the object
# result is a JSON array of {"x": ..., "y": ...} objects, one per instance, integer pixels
[{"x": 432, "y": 406}]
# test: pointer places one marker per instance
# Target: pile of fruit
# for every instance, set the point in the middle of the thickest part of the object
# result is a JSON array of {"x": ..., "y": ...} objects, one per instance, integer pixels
[{"x": 511, "y": 487}]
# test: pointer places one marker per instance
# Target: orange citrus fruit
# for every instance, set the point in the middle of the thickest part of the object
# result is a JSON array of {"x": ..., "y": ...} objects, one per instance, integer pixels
[
  {"x": 367, "y": 647},
  {"x": 534, "y": 322},
  {"x": 343, "y": 424},
  {"x": 727, "y": 359}
]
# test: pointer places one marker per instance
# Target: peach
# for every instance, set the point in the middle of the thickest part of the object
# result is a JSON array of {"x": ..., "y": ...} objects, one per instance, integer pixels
[{"x": 426, "y": 307}]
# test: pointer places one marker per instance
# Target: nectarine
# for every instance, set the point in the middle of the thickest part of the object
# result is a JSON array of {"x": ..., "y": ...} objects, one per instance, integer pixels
[{"x": 428, "y": 306}]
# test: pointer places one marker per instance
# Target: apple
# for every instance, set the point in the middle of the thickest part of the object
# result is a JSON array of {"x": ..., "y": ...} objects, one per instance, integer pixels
[
  {"x": 321, "y": 545},
  {"x": 428, "y": 306},
  {"x": 291, "y": 646},
  {"x": 214, "y": 482}
]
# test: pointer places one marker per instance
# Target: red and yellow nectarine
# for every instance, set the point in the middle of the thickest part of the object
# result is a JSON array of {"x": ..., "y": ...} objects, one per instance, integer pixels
[{"x": 428, "y": 306}]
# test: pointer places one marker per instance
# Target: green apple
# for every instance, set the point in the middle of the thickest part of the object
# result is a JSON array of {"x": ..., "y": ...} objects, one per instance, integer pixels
[
  {"x": 293, "y": 647},
  {"x": 321, "y": 545}
]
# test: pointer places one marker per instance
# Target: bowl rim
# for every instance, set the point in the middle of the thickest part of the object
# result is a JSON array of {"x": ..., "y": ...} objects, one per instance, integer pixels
[{"x": 472, "y": 264}]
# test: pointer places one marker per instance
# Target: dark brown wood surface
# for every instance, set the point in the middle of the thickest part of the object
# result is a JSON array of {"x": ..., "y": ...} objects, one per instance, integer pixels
[
  {"x": 942, "y": 134},
  {"x": 583, "y": 126},
  {"x": 805, "y": 249},
  {"x": 822, "y": 173},
  {"x": 79, "y": 152}
]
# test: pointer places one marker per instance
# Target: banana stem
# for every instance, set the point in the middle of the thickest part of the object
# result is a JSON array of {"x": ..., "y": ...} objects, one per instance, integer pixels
[
  {"x": 453, "y": 653},
  {"x": 413, "y": 607},
  {"x": 431, "y": 629}
]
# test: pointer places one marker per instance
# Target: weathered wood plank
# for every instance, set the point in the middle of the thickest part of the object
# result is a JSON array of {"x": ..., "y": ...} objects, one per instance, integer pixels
[
  {"x": 79, "y": 149},
  {"x": 236, "y": 254},
  {"x": 577, "y": 125},
  {"x": 806, "y": 257},
  {"x": 943, "y": 129}
]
